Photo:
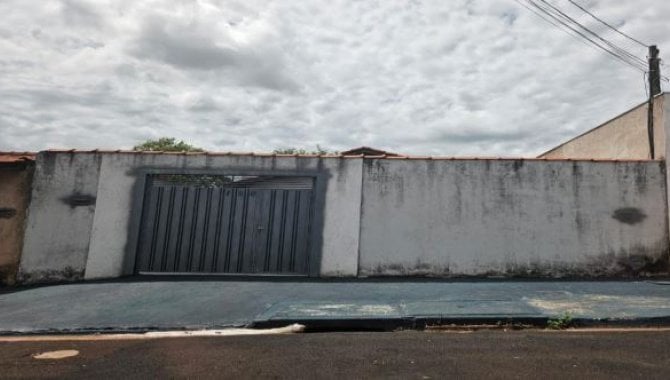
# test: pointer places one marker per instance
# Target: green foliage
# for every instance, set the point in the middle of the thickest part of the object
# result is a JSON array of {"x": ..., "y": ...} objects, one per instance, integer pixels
[
  {"x": 319, "y": 150},
  {"x": 561, "y": 322},
  {"x": 166, "y": 144}
]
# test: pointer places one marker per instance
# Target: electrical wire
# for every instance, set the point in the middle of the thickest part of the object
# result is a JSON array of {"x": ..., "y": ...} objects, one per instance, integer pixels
[
  {"x": 557, "y": 18},
  {"x": 607, "y": 24},
  {"x": 572, "y": 24},
  {"x": 616, "y": 48},
  {"x": 538, "y": 14}
]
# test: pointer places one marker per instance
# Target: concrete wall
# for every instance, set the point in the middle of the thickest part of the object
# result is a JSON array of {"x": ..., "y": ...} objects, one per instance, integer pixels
[
  {"x": 379, "y": 216},
  {"x": 624, "y": 137},
  {"x": 99, "y": 238},
  {"x": 15, "y": 182},
  {"x": 60, "y": 217},
  {"x": 513, "y": 218}
]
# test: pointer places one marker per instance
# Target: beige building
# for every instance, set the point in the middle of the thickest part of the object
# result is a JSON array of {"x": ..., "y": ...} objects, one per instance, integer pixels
[{"x": 624, "y": 137}]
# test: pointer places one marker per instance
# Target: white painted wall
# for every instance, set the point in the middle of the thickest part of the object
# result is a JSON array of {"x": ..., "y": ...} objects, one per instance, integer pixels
[
  {"x": 511, "y": 217},
  {"x": 115, "y": 201},
  {"x": 57, "y": 235},
  {"x": 393, "y": 216}
]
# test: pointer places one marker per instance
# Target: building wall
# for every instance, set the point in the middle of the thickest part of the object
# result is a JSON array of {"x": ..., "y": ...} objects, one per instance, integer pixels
[
  {"x": 15, "y": 180},
  {"x": 60, "y": 217},
  {"x": 380, "y": 216},
  {"x": 100, "y": 239},
  {"x": 513, "y": 218},
  {"x": 624, "y": 137}
]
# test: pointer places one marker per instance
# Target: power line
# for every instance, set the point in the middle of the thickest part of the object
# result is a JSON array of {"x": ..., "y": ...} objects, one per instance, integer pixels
[
  {"x": 594, "y": 34},
  {"x": 562, "y": 21},
  {"x": 607, "y": 24},
  {"x": 570, "y": 31},
  {"x": 620, "y": 51},
  {"x": 538, "y": 14}
]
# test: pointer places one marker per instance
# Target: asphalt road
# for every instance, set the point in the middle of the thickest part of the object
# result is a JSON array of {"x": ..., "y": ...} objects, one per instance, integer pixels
[{"x": 411, "y": 355}]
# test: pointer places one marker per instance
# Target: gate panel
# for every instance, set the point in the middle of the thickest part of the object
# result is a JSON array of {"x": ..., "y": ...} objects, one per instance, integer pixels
[{"x": 247, "y": 225}]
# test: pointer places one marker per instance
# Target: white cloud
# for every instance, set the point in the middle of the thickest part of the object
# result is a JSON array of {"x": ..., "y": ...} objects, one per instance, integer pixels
[{"x": 469, "y": 77}]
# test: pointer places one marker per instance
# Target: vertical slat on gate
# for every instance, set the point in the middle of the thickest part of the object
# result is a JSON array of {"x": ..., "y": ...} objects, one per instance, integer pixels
[
  {"x": 146, "y": 233},
  {"x": 216, "y": 247},
  {"x": 198, "y": 242},
  {"x": 301, "y": 259},
  {"x": 177, "y": 231},
  {"x": 275, "y": 235},
  {"x": 161, "y": 265},
  {"x": 227, "y": 228},
  {"x": 294, "y": 236},
  {"x": 237, "y": 230},
  {"x": 270, "y": 197},
  {"x": 282, "y": 204},
  {"x": 204, "y": 229},
  {"x": 160, "y": 236},
  {"x": 211, "y": 230},
  {"x": 190, "y": 226},
  {"x": 245, "y": 263},
  {"x": 260, "y": 223},
  {"x": 288, "y": 222}
]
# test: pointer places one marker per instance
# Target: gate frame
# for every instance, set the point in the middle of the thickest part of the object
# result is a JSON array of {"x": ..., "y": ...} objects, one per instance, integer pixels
[{"x": 141, "y": 189}]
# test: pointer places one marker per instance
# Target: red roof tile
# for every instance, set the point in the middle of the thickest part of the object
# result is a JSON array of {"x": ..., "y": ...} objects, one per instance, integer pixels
[
  {"x": 383, "y": 156},
  {"x": 14, "y": 157}
]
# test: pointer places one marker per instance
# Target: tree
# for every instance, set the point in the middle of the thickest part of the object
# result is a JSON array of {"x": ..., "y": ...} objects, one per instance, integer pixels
[
  {"x": 319, "y": 150},
  {"x": 167, "y": 144}
]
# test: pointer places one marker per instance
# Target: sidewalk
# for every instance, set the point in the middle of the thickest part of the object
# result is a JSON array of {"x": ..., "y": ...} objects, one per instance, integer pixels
[{"x": 386, "y": 304}]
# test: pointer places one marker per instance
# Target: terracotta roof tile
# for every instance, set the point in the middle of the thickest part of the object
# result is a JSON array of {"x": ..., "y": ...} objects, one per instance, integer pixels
[
  {"x": 329, "y": 156},
  {"x": 14, "y": 157}
]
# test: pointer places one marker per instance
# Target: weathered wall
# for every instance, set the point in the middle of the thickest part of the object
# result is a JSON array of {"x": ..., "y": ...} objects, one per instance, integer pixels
[
  {"x": 624, "y": 137},
  {"x": 60, "y": 217},
  {"x": 379, "y": 216},
  {"x": 513, "y": 218},
  {"x": 100, "y": 238},
  {"x": 15, "y": 182}
]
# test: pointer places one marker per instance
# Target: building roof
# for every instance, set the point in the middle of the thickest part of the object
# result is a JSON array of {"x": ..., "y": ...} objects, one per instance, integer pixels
[
  {"x": 367, "y": 151},
  {"x": 16, "y": 157}
]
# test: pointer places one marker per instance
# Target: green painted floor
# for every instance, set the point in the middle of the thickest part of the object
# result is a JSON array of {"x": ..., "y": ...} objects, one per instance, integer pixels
[{"x": 172, "y": 303}]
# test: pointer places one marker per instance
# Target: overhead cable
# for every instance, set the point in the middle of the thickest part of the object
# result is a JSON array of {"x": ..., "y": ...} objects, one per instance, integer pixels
[
  {"x": 571, "y": 24},
  {"x": 607, "y": 24}
]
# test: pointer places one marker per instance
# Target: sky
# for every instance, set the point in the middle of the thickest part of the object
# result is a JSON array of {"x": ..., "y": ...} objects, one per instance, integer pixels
[{"x": 435, "y": 77}]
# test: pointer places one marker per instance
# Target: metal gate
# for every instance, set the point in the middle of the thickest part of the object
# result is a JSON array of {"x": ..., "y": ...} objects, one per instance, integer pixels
[{"x": 226, "y": 224}]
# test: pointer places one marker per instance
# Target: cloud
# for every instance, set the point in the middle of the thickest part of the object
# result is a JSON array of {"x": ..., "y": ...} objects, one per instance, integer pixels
[
  {"x": 463, "y": 77},
  {"x": 197, "y": 45}
]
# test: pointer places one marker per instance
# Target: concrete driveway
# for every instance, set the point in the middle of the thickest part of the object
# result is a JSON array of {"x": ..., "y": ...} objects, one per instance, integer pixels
[{"x": 168, "y": 303}]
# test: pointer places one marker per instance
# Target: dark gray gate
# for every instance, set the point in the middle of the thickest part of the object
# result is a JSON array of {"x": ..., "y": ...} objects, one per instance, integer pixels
[{"x": 226, "y": 224}]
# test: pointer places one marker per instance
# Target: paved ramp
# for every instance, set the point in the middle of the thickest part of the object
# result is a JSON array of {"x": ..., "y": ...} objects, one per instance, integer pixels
[{"x": 190, "y": 304}]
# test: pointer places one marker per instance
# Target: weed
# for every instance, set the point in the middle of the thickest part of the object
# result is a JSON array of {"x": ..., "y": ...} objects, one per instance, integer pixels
[{"x": 561, "y": 322}]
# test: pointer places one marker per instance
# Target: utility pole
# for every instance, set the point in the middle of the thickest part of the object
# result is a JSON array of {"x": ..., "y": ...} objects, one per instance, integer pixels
[{"x": 654, "y": 89}]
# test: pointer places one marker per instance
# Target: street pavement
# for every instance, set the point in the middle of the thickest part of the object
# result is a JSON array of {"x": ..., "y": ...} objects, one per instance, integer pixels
[
  {"x": 143, "y": 304},
  {"x": 526, "y": 354}
]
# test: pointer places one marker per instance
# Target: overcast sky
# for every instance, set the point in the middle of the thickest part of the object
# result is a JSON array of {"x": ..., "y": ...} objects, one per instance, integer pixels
[{"x": 457, "y": 77}]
